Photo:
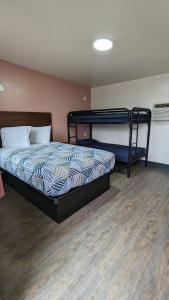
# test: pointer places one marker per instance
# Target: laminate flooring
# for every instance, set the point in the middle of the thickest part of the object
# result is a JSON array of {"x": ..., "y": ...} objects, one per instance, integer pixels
[{"x": 115, "y": 248}]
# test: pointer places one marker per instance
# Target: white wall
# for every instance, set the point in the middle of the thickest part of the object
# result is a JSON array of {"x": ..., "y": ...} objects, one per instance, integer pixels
[{"x": 141, "y": 92}]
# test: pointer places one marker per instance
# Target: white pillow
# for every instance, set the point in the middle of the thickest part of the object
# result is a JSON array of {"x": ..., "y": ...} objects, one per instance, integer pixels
[
  {"x": 15, "y": 137},
  {"x": 40, "y": 135}
]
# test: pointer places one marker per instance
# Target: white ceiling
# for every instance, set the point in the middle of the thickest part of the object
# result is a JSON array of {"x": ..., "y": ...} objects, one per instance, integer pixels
[{"x": 56, "y": 36}]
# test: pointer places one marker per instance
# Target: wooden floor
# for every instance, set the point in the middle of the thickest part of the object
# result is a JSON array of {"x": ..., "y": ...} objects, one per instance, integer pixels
[{"x": 117, "y": 247}]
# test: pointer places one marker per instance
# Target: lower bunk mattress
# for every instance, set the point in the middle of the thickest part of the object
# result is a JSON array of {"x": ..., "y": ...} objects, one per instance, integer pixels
[
  {"x": 56, "y": 168},
  {"x": 120, "y": 151}
]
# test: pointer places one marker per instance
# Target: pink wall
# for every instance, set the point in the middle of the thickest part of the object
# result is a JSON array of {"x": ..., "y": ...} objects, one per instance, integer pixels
[{"x": 28, "y": 90}]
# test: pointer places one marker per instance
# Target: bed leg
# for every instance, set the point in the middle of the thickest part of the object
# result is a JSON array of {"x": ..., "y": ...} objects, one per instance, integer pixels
[{"x": 128, "y": 172}]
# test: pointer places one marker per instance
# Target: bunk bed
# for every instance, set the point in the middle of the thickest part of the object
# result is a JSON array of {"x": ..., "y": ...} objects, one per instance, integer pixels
[{"x": 128, "y": 154}]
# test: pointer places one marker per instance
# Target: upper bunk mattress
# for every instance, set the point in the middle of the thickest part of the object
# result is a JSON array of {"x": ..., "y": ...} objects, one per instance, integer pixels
[
  {"x": 107, "y": 118},
  {"x": 56, "y": 168}
]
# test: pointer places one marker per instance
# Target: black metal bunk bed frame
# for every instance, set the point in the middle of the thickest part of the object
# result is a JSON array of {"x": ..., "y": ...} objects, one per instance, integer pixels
[{"x": 133, "y": 122}]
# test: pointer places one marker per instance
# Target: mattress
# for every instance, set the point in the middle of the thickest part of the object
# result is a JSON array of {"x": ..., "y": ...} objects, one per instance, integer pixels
[
  {"x": 112, "y": 118},
  {"x": 56, "y": 168},
  {"x": 120, "y": 151}
]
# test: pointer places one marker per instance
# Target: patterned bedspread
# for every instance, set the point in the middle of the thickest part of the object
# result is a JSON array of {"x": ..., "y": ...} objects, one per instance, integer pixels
[{"x": 56, "y": 168}]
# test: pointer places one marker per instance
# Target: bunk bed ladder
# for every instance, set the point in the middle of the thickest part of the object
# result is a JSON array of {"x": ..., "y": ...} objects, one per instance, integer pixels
[
  {"x": 70, "y": 137},
  {"x": 131, "y": 143},
  {"x": 148, "y": 140}
]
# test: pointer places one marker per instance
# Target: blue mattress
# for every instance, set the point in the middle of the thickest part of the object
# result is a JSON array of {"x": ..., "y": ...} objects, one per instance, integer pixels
[
  {"x": 108, "y": 118},
  {"x": 120, "y": 151}
]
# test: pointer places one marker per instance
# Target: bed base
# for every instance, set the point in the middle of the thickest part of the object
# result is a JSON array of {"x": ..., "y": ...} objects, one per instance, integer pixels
[{"x": 62, "y": 207}]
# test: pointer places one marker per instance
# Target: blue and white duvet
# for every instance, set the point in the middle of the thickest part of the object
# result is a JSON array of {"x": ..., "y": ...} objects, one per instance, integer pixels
[{"x": 56, "y": 168}]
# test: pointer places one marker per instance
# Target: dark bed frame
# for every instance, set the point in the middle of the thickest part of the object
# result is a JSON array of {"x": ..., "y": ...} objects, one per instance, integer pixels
[
  {"x": 132, "y": 123},
  {"x": 58, "y": 208}
]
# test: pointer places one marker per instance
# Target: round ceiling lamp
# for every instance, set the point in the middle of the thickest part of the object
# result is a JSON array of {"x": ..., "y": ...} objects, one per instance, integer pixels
[{"x": 103, "y": 44}]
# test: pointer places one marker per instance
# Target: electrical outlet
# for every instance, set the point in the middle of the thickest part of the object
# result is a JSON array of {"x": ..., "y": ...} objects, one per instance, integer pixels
[{"x": 84, "y": 98}]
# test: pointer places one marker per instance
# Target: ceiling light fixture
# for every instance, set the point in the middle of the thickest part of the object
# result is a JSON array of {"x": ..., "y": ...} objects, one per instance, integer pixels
[{"x": 103, "y": 44}]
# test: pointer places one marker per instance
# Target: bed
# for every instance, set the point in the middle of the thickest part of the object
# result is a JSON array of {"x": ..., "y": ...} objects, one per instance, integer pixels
[
  {"x": 58, "y": 178},
  {"x": 132, "y": 118}
]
